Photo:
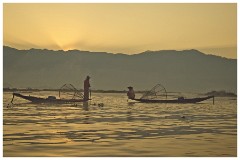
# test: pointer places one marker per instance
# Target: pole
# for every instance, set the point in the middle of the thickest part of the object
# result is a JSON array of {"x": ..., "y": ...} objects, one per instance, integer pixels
[
  {"x": 12, "y": 97},
  {"x": 90, "y": 93}
]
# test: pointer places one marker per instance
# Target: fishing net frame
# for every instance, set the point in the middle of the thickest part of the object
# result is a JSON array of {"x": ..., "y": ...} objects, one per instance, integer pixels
[
  {"x": 158, "y": 91},
  {"x": 71, "y": 91}
]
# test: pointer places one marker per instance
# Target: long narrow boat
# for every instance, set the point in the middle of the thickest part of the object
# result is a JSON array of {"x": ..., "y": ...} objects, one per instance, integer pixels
[
  {"x": 158, "y": 94},
  {"x": 179, "y": 100},
  {"x": 50, "y": 99}
]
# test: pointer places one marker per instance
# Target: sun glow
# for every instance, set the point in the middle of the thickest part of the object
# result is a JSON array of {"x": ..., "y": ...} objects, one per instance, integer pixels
[{"x": 122, "y": 28}]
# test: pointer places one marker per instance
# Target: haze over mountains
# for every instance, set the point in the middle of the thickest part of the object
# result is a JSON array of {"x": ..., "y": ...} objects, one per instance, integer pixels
[{"x": 187, "y": 70}]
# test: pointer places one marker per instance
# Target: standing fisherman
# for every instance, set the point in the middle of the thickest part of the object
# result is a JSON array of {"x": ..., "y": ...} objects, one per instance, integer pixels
[{"x": 86, "y": 88}]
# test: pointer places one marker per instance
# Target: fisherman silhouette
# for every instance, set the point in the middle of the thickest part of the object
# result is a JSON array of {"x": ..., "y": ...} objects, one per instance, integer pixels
[
  {"x": 130, "y": 93},
  {"x": 86, "y": 88}
]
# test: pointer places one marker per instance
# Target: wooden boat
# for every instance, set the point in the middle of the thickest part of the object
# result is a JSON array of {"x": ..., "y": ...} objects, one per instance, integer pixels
[
  {"x": 50, "y": 99},
  {"x": 158, "y": 94},
  {"x": 179, "y": 100}
]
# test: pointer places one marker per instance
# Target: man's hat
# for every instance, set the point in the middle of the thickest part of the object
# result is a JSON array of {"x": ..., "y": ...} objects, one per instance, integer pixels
[
  {"x": 130, "y": 87},
  {"x": 88, "y": 77}
]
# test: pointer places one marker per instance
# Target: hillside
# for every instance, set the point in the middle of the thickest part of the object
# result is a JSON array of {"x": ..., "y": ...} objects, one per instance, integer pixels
[{"x": 187, "y": 70}]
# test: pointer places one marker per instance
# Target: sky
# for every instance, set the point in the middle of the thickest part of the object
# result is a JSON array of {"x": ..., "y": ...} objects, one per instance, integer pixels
[{"x": 122, "y": 28}]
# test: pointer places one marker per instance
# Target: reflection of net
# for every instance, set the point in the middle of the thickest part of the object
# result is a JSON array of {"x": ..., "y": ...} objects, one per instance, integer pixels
[
  {"x": 68, "y": 91},
  {"x": 157, "y": 92}
]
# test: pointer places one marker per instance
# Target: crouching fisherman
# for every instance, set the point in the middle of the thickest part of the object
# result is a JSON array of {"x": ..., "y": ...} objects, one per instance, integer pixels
[{"x": 130, "y": 93}]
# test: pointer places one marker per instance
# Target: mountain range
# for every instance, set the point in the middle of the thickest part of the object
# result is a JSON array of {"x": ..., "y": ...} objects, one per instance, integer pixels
[{"x": 186, "y": 70}]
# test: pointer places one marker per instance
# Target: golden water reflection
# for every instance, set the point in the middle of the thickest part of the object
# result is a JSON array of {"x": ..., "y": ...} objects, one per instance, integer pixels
[{"x": 119, "y": 128}]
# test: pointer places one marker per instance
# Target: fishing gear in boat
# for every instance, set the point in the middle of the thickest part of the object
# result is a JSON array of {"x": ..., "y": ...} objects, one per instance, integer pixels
[
  {"x": 158, "y": 94},
  {"x": 68, "y": 91},
  {"x": 67, "y": 94}
]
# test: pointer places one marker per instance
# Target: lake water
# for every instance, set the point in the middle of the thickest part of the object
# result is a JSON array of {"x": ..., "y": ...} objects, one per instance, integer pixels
[{"x": 119, "y": 128}]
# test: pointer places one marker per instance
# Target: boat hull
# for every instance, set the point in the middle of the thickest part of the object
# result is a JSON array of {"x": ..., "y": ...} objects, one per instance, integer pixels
[
  {"x": 47, "y": 100},
  {"x": 192, "y": 100}
]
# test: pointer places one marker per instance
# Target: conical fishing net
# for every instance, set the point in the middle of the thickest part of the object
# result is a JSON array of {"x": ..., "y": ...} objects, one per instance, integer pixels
[
  {"x": 157, "y": 92},
  {"x": 68, "y": 91}
]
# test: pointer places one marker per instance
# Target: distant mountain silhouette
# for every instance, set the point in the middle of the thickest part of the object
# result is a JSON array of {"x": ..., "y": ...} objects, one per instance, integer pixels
[{"x": 187, "y": 70}]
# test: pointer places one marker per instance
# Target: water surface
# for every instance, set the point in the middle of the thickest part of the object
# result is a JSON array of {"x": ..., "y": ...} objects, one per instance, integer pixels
[{"x": 119, "y": 128}]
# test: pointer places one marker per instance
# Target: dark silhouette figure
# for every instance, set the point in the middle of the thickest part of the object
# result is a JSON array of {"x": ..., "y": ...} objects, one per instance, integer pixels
[
  {"x": 86, "y": 88},
  {"x": 130, "y": 93}
]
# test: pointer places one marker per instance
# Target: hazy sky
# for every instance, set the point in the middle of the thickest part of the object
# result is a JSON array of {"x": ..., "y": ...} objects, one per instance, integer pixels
[{"x": 122, "y": 28}]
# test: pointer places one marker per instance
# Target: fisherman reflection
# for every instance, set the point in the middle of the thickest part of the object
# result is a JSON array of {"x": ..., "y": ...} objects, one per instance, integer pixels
[
  {"x": 129, "y": 116},
  {"x": 85, "y": 106},
  {"x": 130, "y": 104}
]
